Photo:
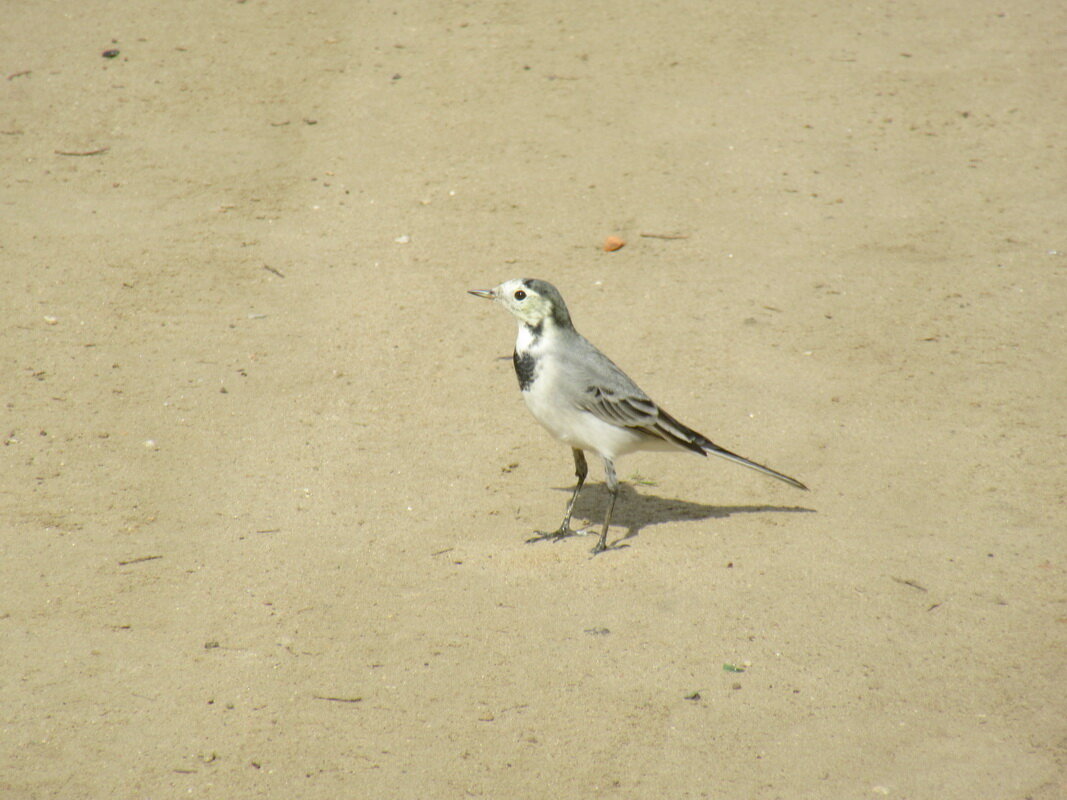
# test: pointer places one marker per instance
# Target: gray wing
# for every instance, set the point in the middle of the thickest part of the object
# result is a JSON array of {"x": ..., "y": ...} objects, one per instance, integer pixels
[
  {"x": 608, "y": 393},
  {"x": 602, "y": 389}
]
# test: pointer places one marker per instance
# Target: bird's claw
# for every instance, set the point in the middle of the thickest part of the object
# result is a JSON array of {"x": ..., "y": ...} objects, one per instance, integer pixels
[
  {"x": 563, "y": 532},
  {"x": 602, "y": 546}
]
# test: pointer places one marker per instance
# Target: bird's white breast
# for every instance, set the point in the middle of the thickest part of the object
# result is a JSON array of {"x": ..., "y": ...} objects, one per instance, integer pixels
[{"x": 554, "y": 405}]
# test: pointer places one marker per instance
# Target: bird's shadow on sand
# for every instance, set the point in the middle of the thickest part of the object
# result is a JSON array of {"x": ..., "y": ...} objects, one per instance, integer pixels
[{"x": 635, "y": 510}]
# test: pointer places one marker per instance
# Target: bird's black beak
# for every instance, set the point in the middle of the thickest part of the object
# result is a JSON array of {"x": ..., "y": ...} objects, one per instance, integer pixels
[{"x": 486, "y": 293}]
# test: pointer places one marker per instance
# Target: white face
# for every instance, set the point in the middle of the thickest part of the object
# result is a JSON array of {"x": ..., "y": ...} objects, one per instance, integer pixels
[
  {"x": 531, "y": 301},
  {"x": 523, "y": 302}
]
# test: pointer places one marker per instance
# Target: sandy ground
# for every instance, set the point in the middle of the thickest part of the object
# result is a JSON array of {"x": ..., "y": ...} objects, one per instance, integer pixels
[{"x": 266, "y": 480}]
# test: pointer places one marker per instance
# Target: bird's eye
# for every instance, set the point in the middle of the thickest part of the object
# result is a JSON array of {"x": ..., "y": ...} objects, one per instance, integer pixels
[{"x": 520, "y": 295}]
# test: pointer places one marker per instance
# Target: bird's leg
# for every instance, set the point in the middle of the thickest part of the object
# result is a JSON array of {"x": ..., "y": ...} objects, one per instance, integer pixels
[
  {"x": 613, "y": 489},
  {"x": 581, "y": 469}
]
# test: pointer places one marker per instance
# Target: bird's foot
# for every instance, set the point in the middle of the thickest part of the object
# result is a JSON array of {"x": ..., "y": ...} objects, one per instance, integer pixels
[
  {"x": 603, "y": 546},
  {"x": 563, "y": 532}
]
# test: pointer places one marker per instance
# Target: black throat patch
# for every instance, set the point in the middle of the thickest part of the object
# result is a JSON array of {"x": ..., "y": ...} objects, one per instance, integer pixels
[{"x": 525, "y": 365}]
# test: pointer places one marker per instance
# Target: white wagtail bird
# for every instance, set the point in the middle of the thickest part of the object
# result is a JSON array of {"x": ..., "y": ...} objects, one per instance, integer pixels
[{"x": 584, "y": 400}]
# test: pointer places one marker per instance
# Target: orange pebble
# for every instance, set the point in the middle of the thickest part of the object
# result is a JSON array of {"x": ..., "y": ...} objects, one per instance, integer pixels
[{"x": 613, "y": 243}]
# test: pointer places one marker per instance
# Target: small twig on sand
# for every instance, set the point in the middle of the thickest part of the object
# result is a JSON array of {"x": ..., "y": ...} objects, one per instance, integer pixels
[
  {"x": 910, "y": 583},
  {"x": 95, "y": 152},
  {"x": 138, "y": 560}
]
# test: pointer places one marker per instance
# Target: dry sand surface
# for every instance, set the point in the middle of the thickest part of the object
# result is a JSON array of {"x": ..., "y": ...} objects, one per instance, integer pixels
[{"x": 266, "y": 475}]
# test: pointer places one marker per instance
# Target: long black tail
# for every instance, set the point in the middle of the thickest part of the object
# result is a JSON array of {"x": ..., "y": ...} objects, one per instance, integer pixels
[{"x": 672, "y": 430}]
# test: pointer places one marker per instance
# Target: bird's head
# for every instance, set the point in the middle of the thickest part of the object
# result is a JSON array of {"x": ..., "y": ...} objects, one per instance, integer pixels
[{"x": 532, "y": 301}]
